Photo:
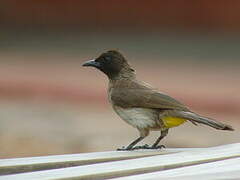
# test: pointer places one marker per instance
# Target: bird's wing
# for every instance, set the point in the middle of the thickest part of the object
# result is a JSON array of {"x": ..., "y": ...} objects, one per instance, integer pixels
[{"x": 146, "y": 98}]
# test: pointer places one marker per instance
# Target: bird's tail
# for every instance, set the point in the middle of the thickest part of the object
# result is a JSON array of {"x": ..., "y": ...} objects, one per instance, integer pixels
[{"x": 195, "y": 118}]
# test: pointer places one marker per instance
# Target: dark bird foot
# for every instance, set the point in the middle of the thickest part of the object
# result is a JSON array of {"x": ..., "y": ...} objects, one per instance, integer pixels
[
  {"x": 146, "y": 146},
  {"x": 157, "y": 147},
  {"x": 149, "y": 147},
  {"x": 134, "y": 148},
  {"x": 125, "y": 149}
]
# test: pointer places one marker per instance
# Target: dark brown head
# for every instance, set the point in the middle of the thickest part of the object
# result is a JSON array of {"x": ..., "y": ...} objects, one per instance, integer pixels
[{"x": 112, "y": 63}]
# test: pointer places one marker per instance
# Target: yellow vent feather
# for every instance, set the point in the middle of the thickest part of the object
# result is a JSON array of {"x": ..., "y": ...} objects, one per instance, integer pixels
[{"x": 170, "y": 122}]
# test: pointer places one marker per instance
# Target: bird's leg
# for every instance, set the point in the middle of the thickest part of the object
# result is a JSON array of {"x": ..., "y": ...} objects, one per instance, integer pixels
[
  {"x": 143, "y": 134},
  {"x": 130, "y": 146},
  {"x": 155, "y": 145}
]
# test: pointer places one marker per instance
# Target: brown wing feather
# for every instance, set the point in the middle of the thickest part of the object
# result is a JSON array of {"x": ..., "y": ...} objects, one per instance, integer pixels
[{"x": 144, "y": 97}]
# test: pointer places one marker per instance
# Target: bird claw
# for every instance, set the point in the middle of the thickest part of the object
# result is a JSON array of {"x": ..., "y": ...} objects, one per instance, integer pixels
[
  {"x": 123, "y": 149},
  {"x": 146, "y": 146},
  {"x": 149, "y": 147},
  {"x": 158, "y": 147}
]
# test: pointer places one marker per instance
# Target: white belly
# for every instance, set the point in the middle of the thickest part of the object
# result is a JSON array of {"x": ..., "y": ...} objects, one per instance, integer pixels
[{"x": 138, "y": 117}]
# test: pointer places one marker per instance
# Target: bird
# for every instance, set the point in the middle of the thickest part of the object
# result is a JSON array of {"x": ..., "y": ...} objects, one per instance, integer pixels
[{"x": 142, "y": 106}]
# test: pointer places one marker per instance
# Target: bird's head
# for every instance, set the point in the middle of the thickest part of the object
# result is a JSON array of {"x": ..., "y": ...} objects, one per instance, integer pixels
[{"x": 112, "y": 63}]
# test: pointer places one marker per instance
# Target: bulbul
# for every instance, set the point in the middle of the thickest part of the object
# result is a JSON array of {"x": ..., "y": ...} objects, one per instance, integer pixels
[{"x": 142, "y": 106}]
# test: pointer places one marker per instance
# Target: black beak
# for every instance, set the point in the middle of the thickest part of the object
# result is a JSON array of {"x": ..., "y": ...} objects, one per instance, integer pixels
[{"x": 92, "y": 63}]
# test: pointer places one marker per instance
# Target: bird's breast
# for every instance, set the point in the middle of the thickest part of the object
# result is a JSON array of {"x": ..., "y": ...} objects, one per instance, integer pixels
[{"x": 138, "y": 117}]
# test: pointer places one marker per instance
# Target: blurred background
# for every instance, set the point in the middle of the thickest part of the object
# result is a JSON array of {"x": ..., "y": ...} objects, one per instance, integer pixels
[{"x": 50, "y": 105}]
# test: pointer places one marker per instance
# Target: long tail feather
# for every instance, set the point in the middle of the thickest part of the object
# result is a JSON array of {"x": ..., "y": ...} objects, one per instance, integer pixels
[{"x": 195, "y": 118}]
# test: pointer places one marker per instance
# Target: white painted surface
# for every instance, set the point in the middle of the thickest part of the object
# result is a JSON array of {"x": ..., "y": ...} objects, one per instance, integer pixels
[
  {"x": 224, "y": 169},
  {"x": 142, "y": 165}
]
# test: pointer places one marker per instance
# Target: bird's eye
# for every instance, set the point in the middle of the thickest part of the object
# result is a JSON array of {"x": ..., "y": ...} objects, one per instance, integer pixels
[{"x": 108, "y": 58}]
